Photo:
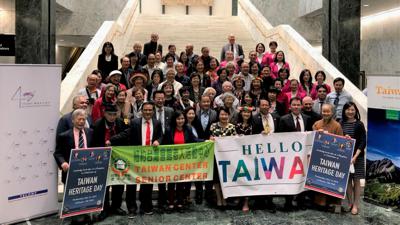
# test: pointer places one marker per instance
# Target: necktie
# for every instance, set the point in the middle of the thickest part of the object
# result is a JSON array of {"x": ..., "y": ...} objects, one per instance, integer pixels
[
  {"x": 267, "y": 129},
  {"x": 298, "y": 127},
  {"x": 232, "y": 48},
  {"x": 204, "y": 121},
  {"x": 320, "y": 106},
  {"x": 336, "y": 102},
  {"x": 81, "y": 140},
  {"x": 147, "y": 133}
]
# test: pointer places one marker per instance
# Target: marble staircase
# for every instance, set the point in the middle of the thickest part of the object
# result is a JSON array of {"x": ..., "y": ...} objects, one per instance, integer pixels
[{"x": 200, "y": 31}]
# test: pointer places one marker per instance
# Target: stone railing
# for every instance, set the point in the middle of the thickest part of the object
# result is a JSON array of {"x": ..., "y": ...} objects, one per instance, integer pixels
[
  {"x": 298, "y": 52},
  {"x": 118, "y": 32}
]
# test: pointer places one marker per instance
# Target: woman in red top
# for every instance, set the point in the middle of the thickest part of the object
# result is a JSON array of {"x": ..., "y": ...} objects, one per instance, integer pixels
[
  {"x": 295, "y": 90},
  {"x": 279, "y": 63},
  {"x": 108, "y": 98},
  {"x": 180, "y": 133}
]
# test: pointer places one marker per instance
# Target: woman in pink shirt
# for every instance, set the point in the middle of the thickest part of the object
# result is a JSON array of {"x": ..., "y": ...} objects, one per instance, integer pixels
[
  {"x": 270, "y": 56},
  {"x": 260, "y": 49},
  {"x": 307, "y": 85},
  {"x": 295, "y": 90},
  {"x": 214, "y": 66},
  {"x": 284, "y": 75},
  {"x": 279, "y": 63}
]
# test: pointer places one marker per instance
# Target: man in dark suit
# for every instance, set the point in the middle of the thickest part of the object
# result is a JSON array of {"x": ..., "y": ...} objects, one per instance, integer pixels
[
  {"x": 206, "y": 116},
  {"x": 265, "y": 122},
  {"x": 103, "y": 130},
  {"x": 75, "y": 138},
  {"x": 65, "y": 122},
  {"x": 233, "y": 47},
  {"x": 308, "y": 110},
  {"x": 126, "y": 71},
  {"x": 164, "y": 115},
  {"x": 142, "y": 58},
  {"x": 142, "y": 131},
  {"x": 295, "y": 121},
  {"x": 152, "y": 46}
]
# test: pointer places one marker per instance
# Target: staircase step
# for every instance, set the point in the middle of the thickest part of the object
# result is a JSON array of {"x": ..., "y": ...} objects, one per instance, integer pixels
[{"x": 210, "y": 31}]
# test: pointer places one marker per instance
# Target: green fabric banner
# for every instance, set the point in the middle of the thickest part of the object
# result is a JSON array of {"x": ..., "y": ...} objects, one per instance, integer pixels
[{"x": 162, "y": 164}]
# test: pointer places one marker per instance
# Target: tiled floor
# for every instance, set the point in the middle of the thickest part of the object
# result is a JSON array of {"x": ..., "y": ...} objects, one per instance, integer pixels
[{"x": 202, "y": 215}]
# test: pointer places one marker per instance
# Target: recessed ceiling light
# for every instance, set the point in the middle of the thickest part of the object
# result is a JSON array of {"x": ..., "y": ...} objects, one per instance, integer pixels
[{"x": 366, "y": 5}]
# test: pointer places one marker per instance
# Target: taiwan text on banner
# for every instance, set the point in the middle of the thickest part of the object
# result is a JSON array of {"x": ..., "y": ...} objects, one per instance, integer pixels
[
  {"x": 262, "y": 164},
  {"x": 162, "y": 164},
  {"x": 329, "y": 164},
  {"x": 86, "y": 181}
]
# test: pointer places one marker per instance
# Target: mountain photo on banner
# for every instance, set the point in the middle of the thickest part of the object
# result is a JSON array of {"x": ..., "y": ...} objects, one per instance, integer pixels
[{"x": 383, "y": 158}]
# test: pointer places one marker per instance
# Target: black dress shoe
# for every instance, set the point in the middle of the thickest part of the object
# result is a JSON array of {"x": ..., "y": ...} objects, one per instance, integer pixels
[
  {"x": 102, "y": 216},
  {"x": 119, "y": 212},
  {"x": 180, "y": 209},
  {"x": 199, "y": 199},
  {"x": 271, "y": 207},
  {"x": 288, "y": 208},
  {"x": 132, "y": 212}
]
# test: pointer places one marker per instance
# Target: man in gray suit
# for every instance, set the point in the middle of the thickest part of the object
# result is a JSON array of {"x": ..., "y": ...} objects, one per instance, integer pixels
[
  {"x": 162, "y": 113},
  {"x": 232, "y": 46},
  {"x": 321, "y": 98}
]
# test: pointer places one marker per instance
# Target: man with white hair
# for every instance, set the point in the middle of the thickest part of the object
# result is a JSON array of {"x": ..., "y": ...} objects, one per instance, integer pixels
[
  {"x": 180, "y": 76},
  {"x": 227, "y": 87},
  {"x": 232, "y": 46},
  {"x": 65, "y": 122},
  {"x": 77, "y": 137},
  {"x": 91, "y": 91}
]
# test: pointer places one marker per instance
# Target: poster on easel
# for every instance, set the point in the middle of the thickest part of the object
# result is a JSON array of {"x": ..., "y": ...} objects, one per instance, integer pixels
[{"x": 383, "y": 154}]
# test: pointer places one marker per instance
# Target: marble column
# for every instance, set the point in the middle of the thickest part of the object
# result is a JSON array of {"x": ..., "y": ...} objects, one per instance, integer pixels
[
  {"x": 341, "y": 36},
  {"x": 35, "y": 31}
]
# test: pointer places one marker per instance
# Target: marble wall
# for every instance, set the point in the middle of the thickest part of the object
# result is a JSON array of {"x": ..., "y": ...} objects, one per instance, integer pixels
[
  {"x": 7, "y": 16},
  {"x": 85, "y": 17},
  {"x": 287, "y": 12},
  {"x": 380, "y": 45},
  {"x": 35, "y": 32},
  {"x": 309, "y": 7},
  {"x": 341, "y": 36}
]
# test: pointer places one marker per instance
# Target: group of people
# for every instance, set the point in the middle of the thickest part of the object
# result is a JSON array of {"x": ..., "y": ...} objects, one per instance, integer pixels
[{"x": 156, "y": 99}]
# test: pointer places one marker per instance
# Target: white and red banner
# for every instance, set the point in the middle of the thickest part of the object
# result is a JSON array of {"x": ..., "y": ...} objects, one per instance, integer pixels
[{"x": 273, "y": 164}]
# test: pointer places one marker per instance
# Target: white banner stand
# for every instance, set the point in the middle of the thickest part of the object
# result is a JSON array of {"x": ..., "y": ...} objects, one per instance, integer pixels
[{"x": 29, "y": 98}]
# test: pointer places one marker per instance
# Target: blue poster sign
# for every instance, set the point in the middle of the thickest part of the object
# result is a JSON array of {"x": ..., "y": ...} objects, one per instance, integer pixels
[
  {"x": 329, "y": 165},
  {"x": 86, "y": 181}
]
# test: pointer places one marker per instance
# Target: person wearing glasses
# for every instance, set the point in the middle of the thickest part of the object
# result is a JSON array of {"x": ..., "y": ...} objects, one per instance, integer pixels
[{"x": 339, "y": 97}]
